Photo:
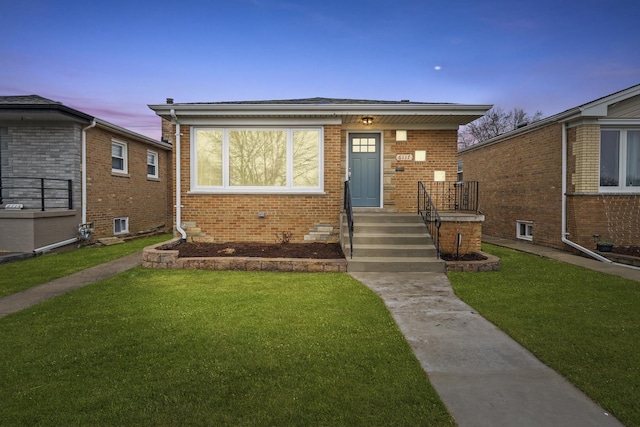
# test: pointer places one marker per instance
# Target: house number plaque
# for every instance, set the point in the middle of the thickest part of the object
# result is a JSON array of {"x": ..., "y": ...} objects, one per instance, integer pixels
[{"x": 404, "y": 156}]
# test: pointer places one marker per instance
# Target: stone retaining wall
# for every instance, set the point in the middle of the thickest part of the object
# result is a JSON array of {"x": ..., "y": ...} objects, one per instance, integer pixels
[
  {"x": 152, "y": 257},
  {"x": 492, "y": 263}
]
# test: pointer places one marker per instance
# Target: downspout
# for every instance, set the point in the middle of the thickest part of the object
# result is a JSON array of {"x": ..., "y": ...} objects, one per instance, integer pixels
[
  {"x": 178, "y": 195},
  {"x": 564, "y": 203},
  {"x": 84, "y": 170}
]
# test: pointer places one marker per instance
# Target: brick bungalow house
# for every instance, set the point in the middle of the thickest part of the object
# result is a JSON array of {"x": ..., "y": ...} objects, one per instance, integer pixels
[
  {"x": 258, "y": 170},
  {"x": 561, "y": 181},
  {"x": 46, "y": 192}
]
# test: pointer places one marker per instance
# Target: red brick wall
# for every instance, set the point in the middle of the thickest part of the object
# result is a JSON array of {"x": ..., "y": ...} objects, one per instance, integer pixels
[
  {"x": 234, "y": 217},
  {"x": 144, "y": 201},
  {"x": 520, "y": 179},
  {"x": 401, "y": 187},
  {"x": 615, "y": 218},
  {"x": 471, "y": 237}
]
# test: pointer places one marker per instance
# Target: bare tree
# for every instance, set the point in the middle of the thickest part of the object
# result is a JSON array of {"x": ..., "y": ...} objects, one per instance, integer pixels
[{"x": 494, "y": 123}]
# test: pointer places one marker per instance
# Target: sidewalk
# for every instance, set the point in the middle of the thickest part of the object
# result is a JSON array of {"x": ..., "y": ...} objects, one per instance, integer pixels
[{"x": 28, "y": 297}]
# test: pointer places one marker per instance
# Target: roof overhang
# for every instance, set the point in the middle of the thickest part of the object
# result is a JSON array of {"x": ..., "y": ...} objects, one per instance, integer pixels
[
  {"x": 42, "y": 112},
  {"x": 399, "y": 114}
]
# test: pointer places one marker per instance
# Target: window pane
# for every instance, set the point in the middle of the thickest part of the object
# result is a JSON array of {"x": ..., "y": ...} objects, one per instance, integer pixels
[
  {"x": 609, "y": 158},
  {"x": 116, "y": 150},
  {"x": 258, "y": 158},
  {"x": 305, "y": 158},
  {"x": 151, "y": 159},
  {"x": 633, "y": 158},
  {"x": 117, "y": 164},
  {"x": 209, "y": 157},
  {"x": 151, "y": 170}
]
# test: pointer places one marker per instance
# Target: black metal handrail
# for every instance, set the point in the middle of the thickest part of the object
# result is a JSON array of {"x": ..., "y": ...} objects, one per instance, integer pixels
[
  {"x": 430, "y": 216},
  {"x": 454, "y": 196},
  {"x": 348, "y": 209},
  {"x": 19, "y": 190}
]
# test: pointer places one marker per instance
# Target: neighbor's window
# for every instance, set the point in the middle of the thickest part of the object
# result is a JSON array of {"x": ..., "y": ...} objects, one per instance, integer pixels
[
  {"x": 120, "y": 225},
  {"x": 460, "y": 172},
  {"x": 524, "y": 230},
  {"x": 152, "y": 164},
  {"x": 253, "y": 160},
  {"x": 620, "y": 160},
  {"x": 118, "y": 157}
]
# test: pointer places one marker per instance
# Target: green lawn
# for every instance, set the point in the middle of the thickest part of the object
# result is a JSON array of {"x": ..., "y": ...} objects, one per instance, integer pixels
[
  {"x": 19, "y": 275},
  {"x": 167, "y": 348},
  {"x": 582, "y": 323}
]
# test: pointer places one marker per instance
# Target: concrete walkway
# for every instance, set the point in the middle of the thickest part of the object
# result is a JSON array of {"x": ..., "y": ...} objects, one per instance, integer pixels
[
  {"x": 31, "y": 296},
  {"x": 483, "y": 377}
]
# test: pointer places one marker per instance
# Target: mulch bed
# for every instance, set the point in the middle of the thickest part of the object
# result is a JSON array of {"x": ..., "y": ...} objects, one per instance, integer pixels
[
  {"x": 472, "y": 256},
  {"x": 263, "y": 250}
]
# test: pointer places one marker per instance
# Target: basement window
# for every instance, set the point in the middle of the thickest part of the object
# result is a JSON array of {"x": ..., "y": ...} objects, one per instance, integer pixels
[
  {"x": 524, "y": 230},
  {"x": 121, "y": 225}
]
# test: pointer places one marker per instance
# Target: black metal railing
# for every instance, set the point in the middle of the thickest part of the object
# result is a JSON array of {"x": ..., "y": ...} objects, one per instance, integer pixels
[
  {"x": 37, "y": 193},
  {"x": 454, "y": 196},
  {"x": 430, "y": 216},
  {"x": 348, "y": 210}
]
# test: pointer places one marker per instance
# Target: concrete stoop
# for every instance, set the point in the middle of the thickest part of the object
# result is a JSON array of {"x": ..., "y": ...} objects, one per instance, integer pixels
[{"x": 390, "y": 242}]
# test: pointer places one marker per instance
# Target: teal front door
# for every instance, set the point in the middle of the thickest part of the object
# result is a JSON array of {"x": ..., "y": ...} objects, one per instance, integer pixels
[{"x": 364, "y": 169}]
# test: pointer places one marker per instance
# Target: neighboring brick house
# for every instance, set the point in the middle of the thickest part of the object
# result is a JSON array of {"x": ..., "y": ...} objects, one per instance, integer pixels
[
  {"x": 43, "y": 146},
  {"x": 560, "y": 181},
  {"x": 258, "y": 170}
]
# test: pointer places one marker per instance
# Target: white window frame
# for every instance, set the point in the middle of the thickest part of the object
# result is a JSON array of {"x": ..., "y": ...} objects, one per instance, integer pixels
[
  {"x": 289, "y": 188},
  {"x": 121, "y": 220},
  {"x": 155, "y": 165},
  {"x": 528, "y": 234},
  {"x": 125, "y": 160},
  {"x": 622, "y": 186}
]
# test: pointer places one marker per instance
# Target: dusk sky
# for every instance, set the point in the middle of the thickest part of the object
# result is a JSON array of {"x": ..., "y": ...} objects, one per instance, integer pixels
[{"x": 112, "y": 58}]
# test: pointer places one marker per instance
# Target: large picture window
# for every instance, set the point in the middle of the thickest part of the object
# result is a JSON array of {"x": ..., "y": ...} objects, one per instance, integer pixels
[
  {"x": 620, "y": 160},
  {"x": 256, "y": 160}
]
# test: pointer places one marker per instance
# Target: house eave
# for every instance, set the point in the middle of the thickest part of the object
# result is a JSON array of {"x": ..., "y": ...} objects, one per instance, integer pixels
[{"x": 451, "y": 114}]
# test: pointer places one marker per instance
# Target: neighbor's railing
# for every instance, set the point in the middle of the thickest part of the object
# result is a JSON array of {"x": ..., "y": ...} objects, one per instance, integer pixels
[
  {"x": 37, "y": 193},
  {"x": 348, "y": 209},
  {"x": 454, "y": 196},
  {"x": 429, "y": 213}
]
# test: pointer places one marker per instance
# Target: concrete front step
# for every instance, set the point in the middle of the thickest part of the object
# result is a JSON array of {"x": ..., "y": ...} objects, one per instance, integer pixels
[
  {"x": 378, "y": 218},
  {"x": 389, "y": 264},
  {"x": 389, "y": 228},
  {"x": 391, "y": 242},
  {"x": 415, "y": 251},
  {"x": 410, "y": 239}
]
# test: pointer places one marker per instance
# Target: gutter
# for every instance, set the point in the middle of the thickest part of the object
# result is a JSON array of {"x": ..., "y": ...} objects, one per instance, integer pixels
[
  {"x": 564, "y": 203},
  {"x": 178, "y": 195}
]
